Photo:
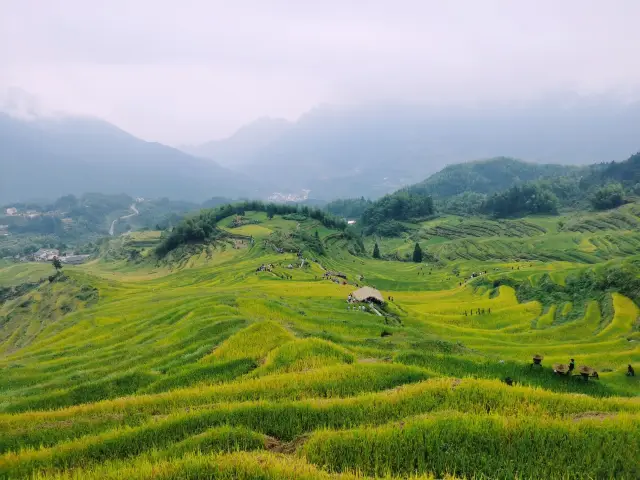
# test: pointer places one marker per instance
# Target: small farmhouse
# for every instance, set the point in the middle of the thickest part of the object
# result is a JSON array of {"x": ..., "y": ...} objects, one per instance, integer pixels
[{"x": 367, "y": 294}]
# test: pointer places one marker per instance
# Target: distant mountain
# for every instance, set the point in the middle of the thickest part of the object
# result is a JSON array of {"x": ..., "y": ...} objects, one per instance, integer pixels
[
  {"x": 242, "y": 146},
  {"x": 50, "y": 157},
  {"x": 347, "y": 152},
  {"x": 490, "y": 176}
]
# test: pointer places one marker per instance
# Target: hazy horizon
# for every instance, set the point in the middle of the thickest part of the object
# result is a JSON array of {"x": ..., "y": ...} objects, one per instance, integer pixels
[{"x": 196, "y": 72}]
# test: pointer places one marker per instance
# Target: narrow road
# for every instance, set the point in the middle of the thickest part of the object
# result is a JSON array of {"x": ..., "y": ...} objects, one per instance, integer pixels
[{"x": 135, "y": 211}]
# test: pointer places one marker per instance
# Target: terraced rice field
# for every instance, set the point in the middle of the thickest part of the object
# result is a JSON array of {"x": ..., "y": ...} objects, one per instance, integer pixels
[{"x": 216, "y": 370}]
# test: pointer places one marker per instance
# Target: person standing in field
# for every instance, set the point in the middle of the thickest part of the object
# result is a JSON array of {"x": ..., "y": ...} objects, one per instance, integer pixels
[
  {"x": 630, "y": 371},
  {"x": 572, "y": 365}
]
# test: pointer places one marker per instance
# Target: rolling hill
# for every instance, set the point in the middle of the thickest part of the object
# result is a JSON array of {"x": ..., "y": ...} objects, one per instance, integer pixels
[
  {"x": 243, "y": 360},
  {"x": 491, "y": 176}
]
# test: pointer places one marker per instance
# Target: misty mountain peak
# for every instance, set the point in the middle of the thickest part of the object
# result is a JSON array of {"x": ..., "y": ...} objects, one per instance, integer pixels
[{"x": 19, "y": 103}]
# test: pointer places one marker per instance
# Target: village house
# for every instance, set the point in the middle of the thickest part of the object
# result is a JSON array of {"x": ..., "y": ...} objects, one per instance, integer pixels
[
  {"x": 12, "y": 211},
  {"x": 46, "y": 254}
]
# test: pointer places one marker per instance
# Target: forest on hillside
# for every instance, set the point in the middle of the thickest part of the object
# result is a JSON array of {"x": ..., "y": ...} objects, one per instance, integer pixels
[{"x": 499, "y": 188}]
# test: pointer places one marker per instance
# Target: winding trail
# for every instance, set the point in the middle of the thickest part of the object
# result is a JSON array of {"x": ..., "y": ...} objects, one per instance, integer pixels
[{"x": 135, "y": 211}]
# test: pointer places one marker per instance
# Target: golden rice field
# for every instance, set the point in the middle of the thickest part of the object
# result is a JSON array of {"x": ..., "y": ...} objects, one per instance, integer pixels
[{"x": 211, "y": 369}]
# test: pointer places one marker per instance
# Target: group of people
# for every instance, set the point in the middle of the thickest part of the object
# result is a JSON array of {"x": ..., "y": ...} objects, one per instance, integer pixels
[
  {"x": 560, "y": 369},
  {"x": 479, "y": 311},
  {"x": 572, "y": 365}
]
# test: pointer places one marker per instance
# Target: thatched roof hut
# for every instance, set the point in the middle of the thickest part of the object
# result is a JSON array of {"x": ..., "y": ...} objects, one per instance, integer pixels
[{"x": 368, "y": 294}]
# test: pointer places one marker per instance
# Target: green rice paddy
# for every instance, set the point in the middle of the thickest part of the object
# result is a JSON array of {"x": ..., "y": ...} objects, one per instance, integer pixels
[{"x": 208, "y": 368}]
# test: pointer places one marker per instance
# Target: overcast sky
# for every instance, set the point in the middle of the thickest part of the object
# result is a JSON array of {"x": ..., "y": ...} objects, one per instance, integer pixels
[{"x": 187, "y": 71}]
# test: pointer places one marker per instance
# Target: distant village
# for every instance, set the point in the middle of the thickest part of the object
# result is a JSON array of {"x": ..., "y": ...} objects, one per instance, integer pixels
[
  {"x": 13, "y": 212},
  {"x": 44, "y": 254},
  {"x": 48, "y": 254},
  {"x": 289, "y": 197}
]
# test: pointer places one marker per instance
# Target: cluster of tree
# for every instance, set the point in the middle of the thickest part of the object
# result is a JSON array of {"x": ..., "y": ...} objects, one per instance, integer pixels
[
  {"x": 348, "y": 207},
  {"x": 399, "y": 206},
  {"x": 529, "y": 198},
  {"x": 582, "y": 287},
  {"x": 202, "y": 227},
  {"x": 626, "y": 173},
  {"x": 199, "y": 229},
  {"x": 44, "y": 225},
  {"x": 467, "y": 203}
]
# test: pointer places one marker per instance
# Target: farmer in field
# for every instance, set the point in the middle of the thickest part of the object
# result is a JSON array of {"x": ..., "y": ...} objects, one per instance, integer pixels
[
  {"x": 572, "y": 365},
  {"x": 630, "y": 371}
]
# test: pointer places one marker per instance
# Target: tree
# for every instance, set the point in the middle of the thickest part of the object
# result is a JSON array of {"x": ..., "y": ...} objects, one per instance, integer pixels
[
  {"x": 271, "y": 210},
  {"x": 317, "y": 236},
  {"x": 609, "y": 196},
  {"x": 376, "y": 251},
  {"x": 417, "y": 253},
  {"x": 57, "y": 264}
]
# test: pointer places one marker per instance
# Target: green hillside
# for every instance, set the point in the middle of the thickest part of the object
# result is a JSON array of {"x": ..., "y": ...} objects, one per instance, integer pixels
[
  {"x": 499, "y": 188},
  {"x": 488, "y": 176},
  {"x": 226, "y": 349}
]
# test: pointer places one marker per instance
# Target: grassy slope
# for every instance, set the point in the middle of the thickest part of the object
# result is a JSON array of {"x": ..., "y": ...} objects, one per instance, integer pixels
[{"x": 215, "y": 357}]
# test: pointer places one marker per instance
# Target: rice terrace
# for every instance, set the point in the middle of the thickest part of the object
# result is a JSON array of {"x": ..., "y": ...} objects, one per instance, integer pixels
[{"x": 275, "y": 341}]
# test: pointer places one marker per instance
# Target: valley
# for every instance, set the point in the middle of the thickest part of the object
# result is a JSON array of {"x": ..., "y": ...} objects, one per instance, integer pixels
[{"x": 319, "y": 240}]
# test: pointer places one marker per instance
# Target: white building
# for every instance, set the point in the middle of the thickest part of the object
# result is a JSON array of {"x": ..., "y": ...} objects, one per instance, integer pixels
[{"x": 12, "y": 211}]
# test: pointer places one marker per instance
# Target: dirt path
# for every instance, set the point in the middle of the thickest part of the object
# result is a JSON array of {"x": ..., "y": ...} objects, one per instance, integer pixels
[{"x": 134, "y": 211}]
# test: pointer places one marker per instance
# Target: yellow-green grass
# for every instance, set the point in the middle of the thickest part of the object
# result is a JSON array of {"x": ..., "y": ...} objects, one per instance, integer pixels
[
  {"x": 211, "y": 355},
  {"x": 15, "y": 274},
  {"x": 487, "y": 446},
  {"x": 303, "y": 355},
  {"x": 286, "y": 419},
  {"x": 254, "y": 342},
  {"x": 235, "y": 466},
  {"x": 129, "y": 443}
]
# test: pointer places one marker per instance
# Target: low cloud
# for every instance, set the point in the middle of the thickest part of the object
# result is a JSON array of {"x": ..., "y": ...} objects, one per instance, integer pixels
[{"x": 195, "y": 70}]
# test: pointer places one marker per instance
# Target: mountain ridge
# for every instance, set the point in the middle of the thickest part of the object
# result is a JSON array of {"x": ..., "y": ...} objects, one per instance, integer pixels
[
  {"x": 50, "y": 157},
  {"x": 374, "y": 150}
]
